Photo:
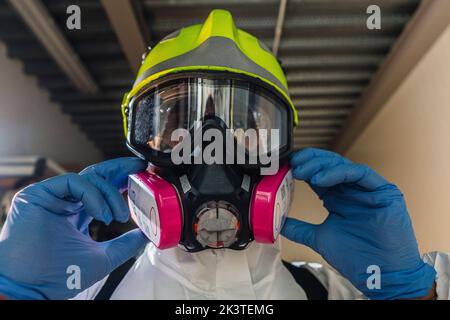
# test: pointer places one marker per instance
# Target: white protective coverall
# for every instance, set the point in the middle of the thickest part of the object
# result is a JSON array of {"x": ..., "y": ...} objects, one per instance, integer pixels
[{"x": 254, "y": 273}]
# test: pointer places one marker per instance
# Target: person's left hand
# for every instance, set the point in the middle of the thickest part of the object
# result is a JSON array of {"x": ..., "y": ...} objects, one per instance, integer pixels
[
  {"x": 368, "y": 227},
  {"x": 45, "y": 248}
]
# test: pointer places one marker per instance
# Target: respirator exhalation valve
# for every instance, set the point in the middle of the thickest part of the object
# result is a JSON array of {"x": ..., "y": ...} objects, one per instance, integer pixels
[{"x": 217, "y": 224}]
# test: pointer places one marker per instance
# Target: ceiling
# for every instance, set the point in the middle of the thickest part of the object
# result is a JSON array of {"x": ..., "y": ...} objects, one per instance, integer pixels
[{"x": 326, "y": 49}]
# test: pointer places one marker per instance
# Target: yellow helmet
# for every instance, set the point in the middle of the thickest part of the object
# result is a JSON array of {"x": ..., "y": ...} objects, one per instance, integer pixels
[
  {"x": 207, "y": 52},
  {"x": 214, "y": 45}
]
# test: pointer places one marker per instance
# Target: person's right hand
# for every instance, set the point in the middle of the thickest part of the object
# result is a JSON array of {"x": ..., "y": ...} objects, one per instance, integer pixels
[
  {"x": 45, "y": 243},
  {"x": 368, "y": 227}
]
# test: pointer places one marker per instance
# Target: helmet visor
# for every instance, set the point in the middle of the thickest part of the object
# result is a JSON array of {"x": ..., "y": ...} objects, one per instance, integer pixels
[{"x": 255, "y": 117}]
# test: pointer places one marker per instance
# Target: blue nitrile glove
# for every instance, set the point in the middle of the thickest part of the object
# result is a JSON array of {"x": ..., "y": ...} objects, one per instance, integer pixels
[
  {"x": 45, "y": 240},
  {"x": 368, "y": 225}
]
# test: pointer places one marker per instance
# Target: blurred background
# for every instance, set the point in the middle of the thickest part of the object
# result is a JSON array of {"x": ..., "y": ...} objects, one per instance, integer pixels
[{"x": 379, "y": 96}]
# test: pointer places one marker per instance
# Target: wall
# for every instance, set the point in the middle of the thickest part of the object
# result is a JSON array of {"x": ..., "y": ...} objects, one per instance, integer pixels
[
  {"x": 408, "y": 142},
  {"x": 30, "y": 124},
  {"x": 307, "y": 207}
]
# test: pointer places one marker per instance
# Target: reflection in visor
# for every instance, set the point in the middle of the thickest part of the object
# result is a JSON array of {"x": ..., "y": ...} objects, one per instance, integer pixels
[{"x": 233, "y": 104}]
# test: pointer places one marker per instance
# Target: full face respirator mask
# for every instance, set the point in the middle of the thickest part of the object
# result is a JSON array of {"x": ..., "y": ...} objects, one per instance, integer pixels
[{"x": 227, "y": 200}]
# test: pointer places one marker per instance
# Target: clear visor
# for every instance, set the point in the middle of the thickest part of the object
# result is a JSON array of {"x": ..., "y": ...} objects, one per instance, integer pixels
[{"x": 254, "y": 116}]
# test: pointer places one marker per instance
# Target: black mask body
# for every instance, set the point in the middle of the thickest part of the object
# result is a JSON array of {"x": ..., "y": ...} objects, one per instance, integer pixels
[{"x": 215, "y": 199}]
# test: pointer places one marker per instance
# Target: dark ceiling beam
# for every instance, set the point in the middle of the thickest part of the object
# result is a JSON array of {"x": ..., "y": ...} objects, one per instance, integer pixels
[
  {"x": 336, "y": 101},
  {"x": 325, "y": 90},
  {"x": 317, "y": 139},
  {"x": 279, "y": 27},
  {"x": 93, "y": 109},
  {"x": 102, "y": 127},
  {"x": 122, "y": 16},
  {"x": 429, "y": 22},
  {"x": 328, "y": 61},
  {"x": 305, "y": 4},
  {"x": 110, "y": 119},
  {"x": 42, "y": 24},
  {"x": 328, "y": 76},
  {"x": 323, "y": 112},
  {"x": 320, "y": 131},
  {"x": 360, "y": 43},
  {"x": 298, "y": 146}
]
